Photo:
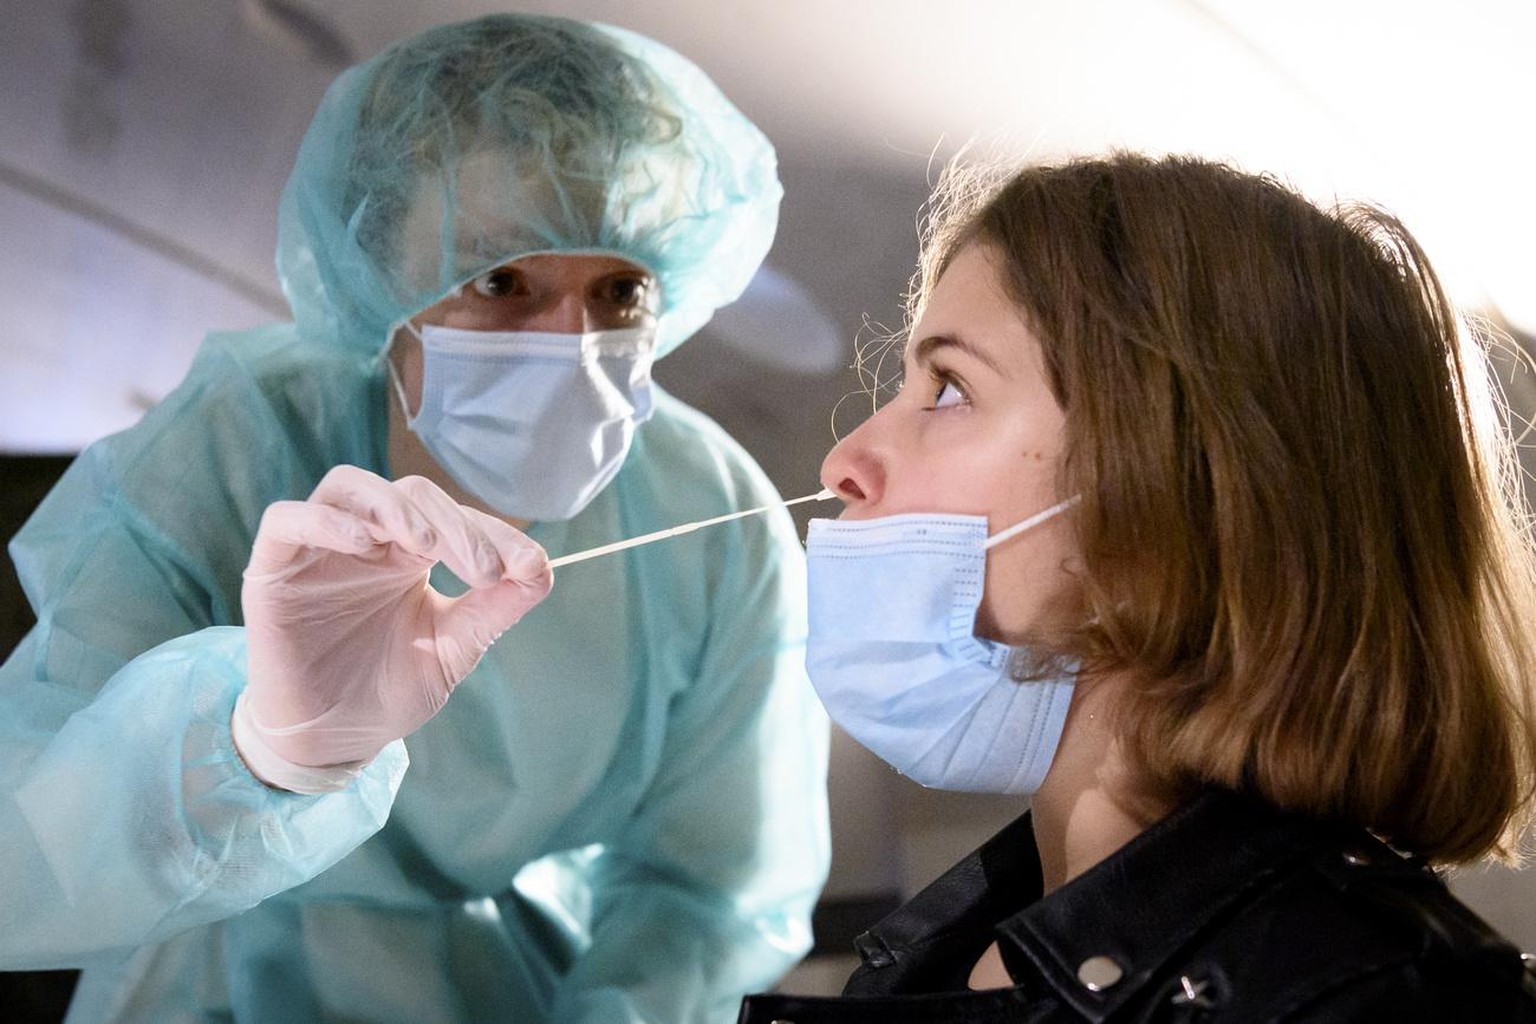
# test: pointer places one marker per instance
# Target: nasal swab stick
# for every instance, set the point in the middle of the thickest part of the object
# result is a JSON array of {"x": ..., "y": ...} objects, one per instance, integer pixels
[{"x": 673, "y": 531}]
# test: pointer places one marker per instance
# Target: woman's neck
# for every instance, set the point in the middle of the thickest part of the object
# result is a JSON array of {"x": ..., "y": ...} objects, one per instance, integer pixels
[
  {"x": 1087, "y": 808},
  {"x": 1089, "y": 805}
]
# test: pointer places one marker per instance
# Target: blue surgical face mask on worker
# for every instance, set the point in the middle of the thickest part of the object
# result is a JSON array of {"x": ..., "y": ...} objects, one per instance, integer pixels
[
  {"x": 534, "y": 424},
  {"x": 893, "y": 654}
]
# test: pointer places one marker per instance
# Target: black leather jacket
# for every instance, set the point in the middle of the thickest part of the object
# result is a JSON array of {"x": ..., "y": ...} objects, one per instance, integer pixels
[{"x": 1226, "y": 911}]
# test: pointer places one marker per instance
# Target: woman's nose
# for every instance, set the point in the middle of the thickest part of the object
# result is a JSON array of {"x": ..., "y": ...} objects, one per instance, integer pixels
[{"x": 853, "y": 469}]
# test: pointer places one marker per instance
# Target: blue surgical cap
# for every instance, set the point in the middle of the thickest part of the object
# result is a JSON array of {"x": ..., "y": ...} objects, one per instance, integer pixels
[{"x": 472, "y": 144}]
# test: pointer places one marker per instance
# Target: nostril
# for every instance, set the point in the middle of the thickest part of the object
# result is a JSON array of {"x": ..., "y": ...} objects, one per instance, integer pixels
[{"x": 846, "y": 488}]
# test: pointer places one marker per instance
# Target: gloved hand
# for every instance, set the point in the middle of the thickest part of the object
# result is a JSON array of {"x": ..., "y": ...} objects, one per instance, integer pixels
[{"x": 349, "y": 647}]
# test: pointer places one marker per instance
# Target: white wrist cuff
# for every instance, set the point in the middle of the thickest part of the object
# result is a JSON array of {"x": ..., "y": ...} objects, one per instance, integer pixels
[{"x": 277, "y": 771}]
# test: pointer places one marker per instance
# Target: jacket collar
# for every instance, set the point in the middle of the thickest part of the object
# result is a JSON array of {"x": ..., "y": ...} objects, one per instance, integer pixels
[
  {"x": 1135, "y": 910},
  {"x": 1118, "y": 924}
]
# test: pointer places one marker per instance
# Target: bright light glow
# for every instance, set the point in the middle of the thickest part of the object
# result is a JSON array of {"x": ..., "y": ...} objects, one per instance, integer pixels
[
  {"x": 1433, "y": 106},
  {"x": 72, "y": 293}
]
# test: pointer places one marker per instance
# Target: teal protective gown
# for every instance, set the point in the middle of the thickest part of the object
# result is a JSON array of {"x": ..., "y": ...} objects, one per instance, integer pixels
[{"x": 620, "y": 815}]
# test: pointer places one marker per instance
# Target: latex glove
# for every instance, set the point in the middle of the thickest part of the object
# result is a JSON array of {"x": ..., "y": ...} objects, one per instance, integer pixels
[{"x": 349, "y": 647}]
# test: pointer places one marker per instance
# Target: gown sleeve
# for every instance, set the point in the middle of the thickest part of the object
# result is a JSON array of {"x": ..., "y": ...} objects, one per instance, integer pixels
[{"x": 125, "y": 813}]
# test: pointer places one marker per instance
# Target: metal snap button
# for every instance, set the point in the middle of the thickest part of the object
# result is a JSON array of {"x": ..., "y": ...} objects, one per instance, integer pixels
[
  {"x": 1356, "y": 858},
  {"x": 1098, "y": 973},
  {"x": 1192, "y": 993}
]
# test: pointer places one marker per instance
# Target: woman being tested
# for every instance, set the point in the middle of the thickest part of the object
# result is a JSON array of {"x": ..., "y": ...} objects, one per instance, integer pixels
[
  {"x": 491, "y": 232},
  {"x": 1252, "y": 625}
]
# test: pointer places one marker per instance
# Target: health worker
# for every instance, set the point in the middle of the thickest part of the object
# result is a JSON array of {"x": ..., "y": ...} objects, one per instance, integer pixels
[{"x": 492, "y": 231}]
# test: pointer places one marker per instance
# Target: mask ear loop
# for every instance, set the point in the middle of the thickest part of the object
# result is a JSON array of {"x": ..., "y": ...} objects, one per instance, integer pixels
[
  {"x": 1034, "y": 520},
  {"x": 394, "y": 375}
]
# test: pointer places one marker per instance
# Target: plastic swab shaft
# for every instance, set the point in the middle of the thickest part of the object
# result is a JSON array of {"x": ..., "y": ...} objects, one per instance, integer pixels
[{"x": 673, "y": 531}]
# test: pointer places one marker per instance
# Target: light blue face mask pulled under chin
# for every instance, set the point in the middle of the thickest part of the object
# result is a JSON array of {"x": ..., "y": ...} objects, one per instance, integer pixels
[
  {"x": 533, "y": 424},
  {"x": 893, "y": 654}
]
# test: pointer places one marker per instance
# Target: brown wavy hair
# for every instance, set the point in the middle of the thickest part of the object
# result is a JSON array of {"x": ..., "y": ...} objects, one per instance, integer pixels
[{"x": 1302, "y": 530}]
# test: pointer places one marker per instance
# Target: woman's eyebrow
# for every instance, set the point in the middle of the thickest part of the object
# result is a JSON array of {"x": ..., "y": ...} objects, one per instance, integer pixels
[{"x": 923, "y": 349}]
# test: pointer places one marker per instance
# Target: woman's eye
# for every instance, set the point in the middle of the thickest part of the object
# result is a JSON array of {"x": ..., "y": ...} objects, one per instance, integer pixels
[
  {"x": 497, "y": 283},
  {"x": 949, "y": 394}
]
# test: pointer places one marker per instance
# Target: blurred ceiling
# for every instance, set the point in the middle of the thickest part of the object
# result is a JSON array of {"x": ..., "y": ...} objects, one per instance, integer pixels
[
  {"x": 1426, "y": 108},
  {"x": 143, "y": 144}
]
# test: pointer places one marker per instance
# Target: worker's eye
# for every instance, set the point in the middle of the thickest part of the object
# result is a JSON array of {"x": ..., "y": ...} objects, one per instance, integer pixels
[
  {"x": 499, "y": 282},
  {"x": 630, "y": 291}
]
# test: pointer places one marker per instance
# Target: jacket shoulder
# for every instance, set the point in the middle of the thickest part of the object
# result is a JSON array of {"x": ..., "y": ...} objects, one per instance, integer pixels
[{"x": 1362, "y": 934}]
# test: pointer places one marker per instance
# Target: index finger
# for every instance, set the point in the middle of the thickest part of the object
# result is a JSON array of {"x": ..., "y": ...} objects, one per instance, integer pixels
[
  {"x": 288, "y": 528},
  {"x": 480, "y": 548},
  {"x": 388, "y": 510}
]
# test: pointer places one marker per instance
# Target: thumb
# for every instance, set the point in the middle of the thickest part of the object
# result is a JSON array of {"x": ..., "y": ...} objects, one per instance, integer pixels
[{"x": 477, "y": 618}]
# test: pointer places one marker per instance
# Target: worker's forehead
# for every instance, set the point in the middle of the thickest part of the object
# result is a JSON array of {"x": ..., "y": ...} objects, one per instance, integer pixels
[{"x": 490, "y": 209}]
